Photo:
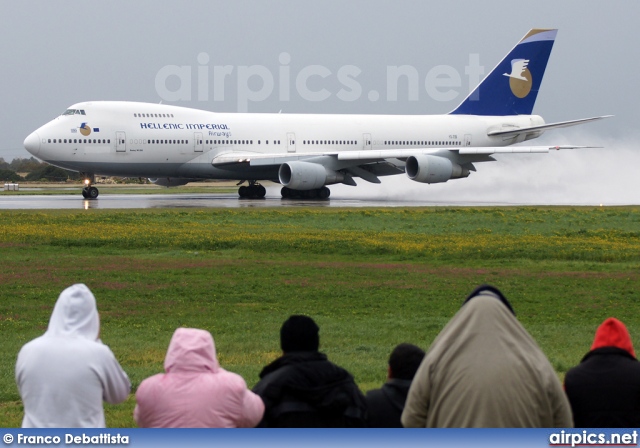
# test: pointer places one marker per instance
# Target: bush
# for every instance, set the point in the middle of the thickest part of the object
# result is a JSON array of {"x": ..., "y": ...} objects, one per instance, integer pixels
[
  {"x": 7, "y": 175},
  {"x": 49, "y": 173}
]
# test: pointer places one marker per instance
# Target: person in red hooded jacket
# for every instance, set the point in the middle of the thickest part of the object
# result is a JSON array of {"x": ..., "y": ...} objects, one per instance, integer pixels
[{"x": 604, "y": 389}]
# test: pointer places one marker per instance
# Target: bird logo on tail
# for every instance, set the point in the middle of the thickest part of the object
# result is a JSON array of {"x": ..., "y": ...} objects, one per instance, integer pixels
[{"x": 520, "y": 79}]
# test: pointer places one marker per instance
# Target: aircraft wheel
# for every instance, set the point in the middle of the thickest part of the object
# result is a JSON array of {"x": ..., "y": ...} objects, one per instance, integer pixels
[
  {"x": 85, "y": 193},
  {"x": 285, "y": 192},
  {"x": 324, "y": 193},
  {"x": 243, "y": 191},
  {"x": 92, "y": 193},
  {"x": 261, "y": 192}
]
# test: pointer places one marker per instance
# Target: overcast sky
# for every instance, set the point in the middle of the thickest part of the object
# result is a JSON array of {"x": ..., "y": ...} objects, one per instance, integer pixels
[{"x": 55, "y": 54}]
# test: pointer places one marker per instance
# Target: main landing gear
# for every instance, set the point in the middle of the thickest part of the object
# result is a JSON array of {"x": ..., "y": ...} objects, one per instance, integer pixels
[
  {"x": 316, "y": 193},
  {"x": 89, "y": 191},
  {"x": 252, "y": 191}
]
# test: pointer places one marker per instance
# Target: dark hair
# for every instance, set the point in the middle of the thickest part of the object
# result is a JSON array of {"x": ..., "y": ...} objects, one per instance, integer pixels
[
  {"x": 405, "y": 360},
  {"x": 299, "y": 334}
]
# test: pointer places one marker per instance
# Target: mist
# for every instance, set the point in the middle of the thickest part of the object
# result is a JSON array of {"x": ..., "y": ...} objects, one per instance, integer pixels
[{"x": 598, "y": 176}]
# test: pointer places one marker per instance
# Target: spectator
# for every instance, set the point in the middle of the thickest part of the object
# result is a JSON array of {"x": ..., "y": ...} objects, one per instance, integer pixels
[
  {"x": 64, "y": 375},
  {"x": 303, "y": 389},
  {"x": 485, "y": 370},
  {"x": 386, "y": 404},
  {"x": 195, "y": 392},
  {"x": 604, "y": 389}
]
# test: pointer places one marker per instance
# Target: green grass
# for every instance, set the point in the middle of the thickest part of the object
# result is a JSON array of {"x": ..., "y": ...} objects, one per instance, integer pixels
[{"x": 371, "y": 278}]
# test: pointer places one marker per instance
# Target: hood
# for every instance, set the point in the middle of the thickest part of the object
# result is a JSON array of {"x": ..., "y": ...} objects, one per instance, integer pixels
[
  {"x": 613, "y": 333},
  {"x": 485, "y": 323},
  {"x": 486, "y": 289},
  {"x": 191, "y": 350},
  {"x": 75, "y": 314}
]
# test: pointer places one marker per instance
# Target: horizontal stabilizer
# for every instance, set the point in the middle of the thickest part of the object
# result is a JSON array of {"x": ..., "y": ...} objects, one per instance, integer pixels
[
  {"x": 516, "y": 149},
  {"x": 544, "y": 127}
]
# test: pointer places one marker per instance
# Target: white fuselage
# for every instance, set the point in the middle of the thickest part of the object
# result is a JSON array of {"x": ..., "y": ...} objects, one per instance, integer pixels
[{"x": 155, "y": 140}]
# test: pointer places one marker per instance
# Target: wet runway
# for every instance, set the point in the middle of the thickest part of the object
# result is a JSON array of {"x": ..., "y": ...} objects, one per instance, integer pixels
[
  {"x": 339, "y": 198},
  {"x": 231, "y": 200}
]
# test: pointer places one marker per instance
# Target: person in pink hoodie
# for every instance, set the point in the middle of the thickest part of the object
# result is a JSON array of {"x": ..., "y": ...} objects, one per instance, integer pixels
[{"x": 195, "y": 392}]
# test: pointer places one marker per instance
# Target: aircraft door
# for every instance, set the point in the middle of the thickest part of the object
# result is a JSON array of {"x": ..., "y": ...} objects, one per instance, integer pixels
[
  {"x": 121, "y": 141},
  {"x": 366, "y": 142},
  {"x": 467, "y": 139},
  {"x": 197, "y": 142},
  {"x": 291, "y": 142}
]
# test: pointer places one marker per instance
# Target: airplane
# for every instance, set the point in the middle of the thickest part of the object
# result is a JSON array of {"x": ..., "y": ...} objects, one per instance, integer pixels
[{"x": 174, "y": 145}]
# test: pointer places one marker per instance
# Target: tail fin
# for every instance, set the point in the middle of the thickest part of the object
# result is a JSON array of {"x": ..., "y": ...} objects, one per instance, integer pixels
[{"x": 512, "y": 86}]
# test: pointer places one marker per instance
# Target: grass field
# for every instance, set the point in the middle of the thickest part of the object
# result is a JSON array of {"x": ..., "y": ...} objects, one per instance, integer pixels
[{"x": 371, "y": 278}]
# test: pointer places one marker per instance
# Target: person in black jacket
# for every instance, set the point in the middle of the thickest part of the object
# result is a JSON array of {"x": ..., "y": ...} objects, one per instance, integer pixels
[
  {"x": 604, "y": 389},
  {"x": 303, "y": 389},
  {"x": 386, "y": 404}
]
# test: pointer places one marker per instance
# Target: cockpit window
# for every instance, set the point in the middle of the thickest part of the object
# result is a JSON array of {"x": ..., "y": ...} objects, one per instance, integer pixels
[{"x": 74, "y": 112}]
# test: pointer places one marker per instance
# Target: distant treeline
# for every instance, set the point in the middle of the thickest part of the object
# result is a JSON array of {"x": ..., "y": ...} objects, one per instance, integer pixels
[{"x": 33, "y": 170}]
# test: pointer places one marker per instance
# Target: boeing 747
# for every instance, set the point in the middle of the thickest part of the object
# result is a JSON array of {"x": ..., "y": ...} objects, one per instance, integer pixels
[{"x": 174, "y": 145}]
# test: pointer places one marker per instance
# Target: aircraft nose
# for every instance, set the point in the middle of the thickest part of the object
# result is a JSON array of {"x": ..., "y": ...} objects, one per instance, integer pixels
[{"x": 32, "y": 143}]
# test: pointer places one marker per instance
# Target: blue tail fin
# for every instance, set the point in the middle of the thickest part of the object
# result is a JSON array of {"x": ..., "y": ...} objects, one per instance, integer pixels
[{"x": 512, "y": 86}]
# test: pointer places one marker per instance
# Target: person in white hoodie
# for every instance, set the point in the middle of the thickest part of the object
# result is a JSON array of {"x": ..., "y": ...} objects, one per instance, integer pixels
[{"x": 64, "y": 375}]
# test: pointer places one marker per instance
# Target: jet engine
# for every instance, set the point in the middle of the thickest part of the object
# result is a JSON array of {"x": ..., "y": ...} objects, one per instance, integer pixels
[
  {"x": 307, "y": 176},
  {"x": 433, "y": 169},
  {"x": 169, "y": 181}
]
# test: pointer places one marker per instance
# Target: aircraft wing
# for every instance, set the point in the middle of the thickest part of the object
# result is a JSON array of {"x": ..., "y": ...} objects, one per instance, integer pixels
[
  {"x": 470, "y": 150},
  {"x": 260, "y": 159},
  {"x": 543, "y": 127}
]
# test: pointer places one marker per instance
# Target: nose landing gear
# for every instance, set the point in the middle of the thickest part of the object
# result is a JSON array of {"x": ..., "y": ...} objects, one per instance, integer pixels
[{"x": 89, "y": 191}]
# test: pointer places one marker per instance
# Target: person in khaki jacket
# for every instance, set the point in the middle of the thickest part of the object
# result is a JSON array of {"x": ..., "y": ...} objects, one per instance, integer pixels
[{"x": 485, "y": 370}]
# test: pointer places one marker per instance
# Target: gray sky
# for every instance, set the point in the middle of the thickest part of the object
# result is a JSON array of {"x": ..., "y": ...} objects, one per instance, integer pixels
[{"x": 55, "y": 54}]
